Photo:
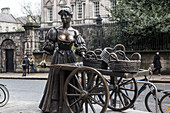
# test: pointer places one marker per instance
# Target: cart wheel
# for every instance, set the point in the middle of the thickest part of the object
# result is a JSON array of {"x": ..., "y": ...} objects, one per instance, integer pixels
[
  {"x": 123, "y": 94},
  {"x": 81, "y": 91}
]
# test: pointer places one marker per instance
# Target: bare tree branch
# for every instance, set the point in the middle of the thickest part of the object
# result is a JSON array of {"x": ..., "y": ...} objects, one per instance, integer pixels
[{"x": 34, "y": 13}]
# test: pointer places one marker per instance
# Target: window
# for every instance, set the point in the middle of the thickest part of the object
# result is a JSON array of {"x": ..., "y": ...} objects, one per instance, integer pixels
[
  {"x": 0, "y": 28},
  {"x": 96, "y": 9},
  {"x": 13, "y": 28},
  {"x": 79, "y": 9},
  {"x": 7, "y": 29},
  {"x": 50, "y": 14},
  {"x": 111, "y": 4}
]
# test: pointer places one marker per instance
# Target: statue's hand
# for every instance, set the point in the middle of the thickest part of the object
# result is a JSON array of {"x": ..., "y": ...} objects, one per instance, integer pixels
[
  {"x": 43, "y": 64},
  {"x": 83, "y": 54}
]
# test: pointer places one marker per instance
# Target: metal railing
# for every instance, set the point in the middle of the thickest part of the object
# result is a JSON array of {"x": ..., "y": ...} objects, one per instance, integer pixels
[{"x": 156, "y": 101}]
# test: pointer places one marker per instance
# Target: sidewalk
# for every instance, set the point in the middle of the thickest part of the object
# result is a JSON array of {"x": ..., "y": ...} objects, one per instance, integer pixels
[
  {"x": 31, "y": 76},
  {"x": 32, "y": 107},
  {"x": 44, "y": 76}
]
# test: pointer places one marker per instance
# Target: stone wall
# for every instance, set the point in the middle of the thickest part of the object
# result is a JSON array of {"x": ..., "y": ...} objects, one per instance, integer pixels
[
  {"x": 147, "y": 59},
  {"x": 11, "y": 41},
  {"x": 148, "y": 56}
]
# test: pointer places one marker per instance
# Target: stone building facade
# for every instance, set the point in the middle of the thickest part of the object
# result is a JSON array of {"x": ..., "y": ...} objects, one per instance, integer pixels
[
  {"x": 18, "y": 37},
  {"x": 14, "y": 45},
  {"x": 11, "y": 51},
  {"x": 84, "y": 11},
  {"x": 8, "y": 23}
]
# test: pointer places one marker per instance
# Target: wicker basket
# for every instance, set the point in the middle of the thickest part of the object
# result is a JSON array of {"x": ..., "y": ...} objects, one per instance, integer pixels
[
  {"x": 106, "y": 53},
  {"x": 98, "y": 53},
  {"x": 124, "y": 65},
  {"x": 121, "y": 55},
  {"x": 108, "y": 50},
  {"x": 92, "y": 60}
]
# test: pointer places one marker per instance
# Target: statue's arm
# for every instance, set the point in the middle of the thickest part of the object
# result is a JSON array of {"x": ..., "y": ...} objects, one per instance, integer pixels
[
  {"x": 49, "y": 45},
  {"x": 80, "y": 45}
]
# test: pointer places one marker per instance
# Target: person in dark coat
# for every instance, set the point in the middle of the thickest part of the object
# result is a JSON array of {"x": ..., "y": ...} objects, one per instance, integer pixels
[
  {"x": 24, "y": 65},
  {"x": 157, "y": 64},
  {"x": 27, "y": 64},
  {"x": 61, "y": 40}
]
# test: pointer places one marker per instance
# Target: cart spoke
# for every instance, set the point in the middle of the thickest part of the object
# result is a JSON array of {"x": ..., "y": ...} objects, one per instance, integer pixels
[
  {"x": 95, "y": 86},
  {"x": 86, "y": 106},
  {"x": 96, "y": 101},
  {"x": 125, "y": 96},
  {"x": 75, "y": 101},
  {"x": 94, "y": 111},
  {"x": 90, "y": 81},
  {"x": 96, "y": 94},
  {"x": 81, "y": 106},
  {"x": 73, "y": 95},
  {"x": 115, "y": 100},
  {"x": 78, "y": 82},
  {"x": 119, "y": 80},
  {"x": 74, "y": 87},
  {"x": 125, "y": 82},
  {"x": 127, "y": 89},
  {"x": 83, "y": 80},
  {"x": 121, "y": 99},
  {"x": 112, "y": 94}
]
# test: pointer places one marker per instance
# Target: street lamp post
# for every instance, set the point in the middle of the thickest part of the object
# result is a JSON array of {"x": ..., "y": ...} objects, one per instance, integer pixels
[{"x": 99, "y": 33}]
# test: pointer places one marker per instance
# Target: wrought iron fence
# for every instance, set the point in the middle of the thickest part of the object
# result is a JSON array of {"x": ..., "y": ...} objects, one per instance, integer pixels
[
  {"x": 131, "y": 42},
  {"x": 160, "y": 42}
]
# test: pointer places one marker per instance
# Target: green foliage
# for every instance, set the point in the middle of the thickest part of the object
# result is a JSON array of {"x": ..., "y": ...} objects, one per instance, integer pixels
[
  {"x": 73, "y": 47},
  {"x": 112, "y": 36},
  {"x": 144, "y": 17},
  {"x": 39, "y": 46},
  {"x": 92, "y": 41}
]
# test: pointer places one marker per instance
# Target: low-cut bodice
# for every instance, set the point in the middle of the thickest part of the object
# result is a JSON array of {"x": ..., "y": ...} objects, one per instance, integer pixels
[{"x": 64, "y": 39}]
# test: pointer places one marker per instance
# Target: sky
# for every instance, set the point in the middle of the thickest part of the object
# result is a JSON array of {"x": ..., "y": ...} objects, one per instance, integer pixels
[{"x": 15, "y": 5}]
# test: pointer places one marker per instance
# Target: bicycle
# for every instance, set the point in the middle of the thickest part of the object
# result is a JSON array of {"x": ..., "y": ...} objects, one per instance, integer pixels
[
  {"x": 151, "y": 95},
  {"x": 4, "y": 95},
  {"x": 164, "y": 104}
]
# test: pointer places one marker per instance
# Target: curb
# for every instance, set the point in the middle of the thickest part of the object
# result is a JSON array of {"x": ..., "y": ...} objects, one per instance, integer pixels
[
  {"x": 45, "y": 78},
  {"x": 157, "y": 81},
  {"x": 24, "y": 78}
]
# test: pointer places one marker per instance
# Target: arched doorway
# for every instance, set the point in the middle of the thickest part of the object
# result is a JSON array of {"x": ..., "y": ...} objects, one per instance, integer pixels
[{"x": 8, "y": 55}]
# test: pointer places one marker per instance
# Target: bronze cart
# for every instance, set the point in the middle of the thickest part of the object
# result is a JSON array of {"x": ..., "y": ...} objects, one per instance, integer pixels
[{"x": 95, "y": 90}]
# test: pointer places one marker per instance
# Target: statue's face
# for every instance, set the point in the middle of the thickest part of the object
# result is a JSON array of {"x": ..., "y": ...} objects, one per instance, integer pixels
[{"x": 65, "y": 17}]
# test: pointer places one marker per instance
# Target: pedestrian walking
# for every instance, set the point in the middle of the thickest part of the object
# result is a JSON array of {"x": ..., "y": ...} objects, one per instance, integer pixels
[
  {"x": 157, "y": 64},
  {"x": 27, "y": 64},
  {"x": 24, "y": 66},
  {"x": 32, "y": 64}
]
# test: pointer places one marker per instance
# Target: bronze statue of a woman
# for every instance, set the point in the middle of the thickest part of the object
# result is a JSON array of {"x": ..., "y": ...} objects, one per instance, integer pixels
[{"x": 60, "y": 40}]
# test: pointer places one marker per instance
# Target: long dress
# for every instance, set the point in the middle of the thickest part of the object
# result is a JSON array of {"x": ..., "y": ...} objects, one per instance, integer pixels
[{"x": 63, "y": 54}]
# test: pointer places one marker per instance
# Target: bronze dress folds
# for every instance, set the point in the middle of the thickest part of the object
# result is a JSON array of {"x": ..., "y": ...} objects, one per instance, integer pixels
[{"x": 61, "y": 43}]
